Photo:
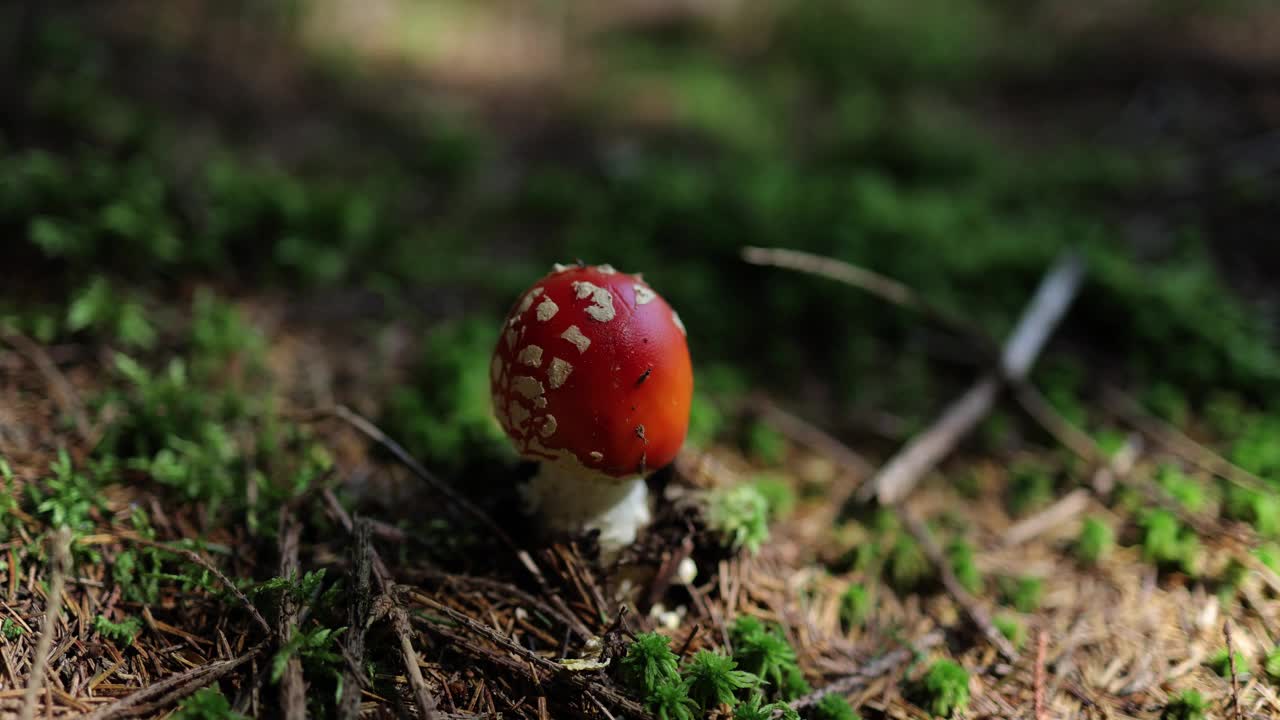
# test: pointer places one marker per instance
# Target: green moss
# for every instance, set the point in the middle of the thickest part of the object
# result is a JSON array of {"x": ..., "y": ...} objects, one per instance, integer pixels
[
  {"x": 1095, "y": 542},
  {"x": 855, "y": 605},
  {"x": 1186, "y": 491},
  {"x": 1022, "y": 593},
  {"x": 11, "y": 630},
  {"x": 740, "y": 514},
  {"x": 122, "y": 631},
  {"x": 960, "y": 555},
  {"x": 1166, "y": 543},
  {"x": 763, "y": 653},
  {"x": 1187, "y": 705},
  {"x": 671, "y": 701},
  {"x": 713, "y": 679},
  {"x": 1030, "y": 488},
  {"x": 755, "y": 708},
  {"x": 1271, "y": 664},
  {"x": 1220, "y": 663},
  {"x": 765, "y": 444},
  {"x": 907, "y": 565},
  {"x": 944, "y": 689},
  {"x": 206, "y": 704},
  {"x": 778, "y": 493},
  {"x": 834, "y": 707},
  {"x": 1012, "y": 628},
  {"x": 648, "y": 664},
  {"x": 1258, "y": 508}
]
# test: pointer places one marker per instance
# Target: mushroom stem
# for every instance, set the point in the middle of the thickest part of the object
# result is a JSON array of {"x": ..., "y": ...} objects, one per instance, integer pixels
[{"x": 572, "y": 498}]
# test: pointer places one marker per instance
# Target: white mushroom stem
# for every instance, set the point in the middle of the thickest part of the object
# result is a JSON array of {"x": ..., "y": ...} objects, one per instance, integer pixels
[{"x": 569, "y": 497}]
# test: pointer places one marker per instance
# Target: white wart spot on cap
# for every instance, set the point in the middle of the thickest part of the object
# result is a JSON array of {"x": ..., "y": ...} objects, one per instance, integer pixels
[
  {"x": 596, "y": 455},
  {"x": 606, "y": 270},
  {"x": 548, "y": 426},
  {"x": 511, "y": 339},
  {"x": 495, "y": 369},
  {"x": 601, "y": 307},
  {"x": 527, "y": 300},
  {"x": 519, "y": 415},
  {"x": 558, "y": 372},
  {"x": 531, "y": 355},
  {"x": 644, "y": 295},
  {"x": 527, "y": 386},
  {"x": 679, "y": 323},
  {"x": 547, "y": 309},
  {"x": 575, "y": 336},
  {"x": 540, "y": 402}
]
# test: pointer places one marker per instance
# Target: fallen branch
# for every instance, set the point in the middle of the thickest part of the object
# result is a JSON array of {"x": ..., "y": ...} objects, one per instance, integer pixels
[
  {"x": 872, "y": 670},
  {"x": 977, "y": 614},
  {"x": 293, "y": 689},
  {"x": 1179, "y": 444},
  {"x": 65, "y": 394},
  {"x": 897, "y": 478},
  {"x": 358, "y": 620},
  {"x": 1042, "y": 648},
  {"x": 61, "y": 560},
  {"x": 422, "y": 696},
  {"x": 1066, "y": 508},
  {"x": 176, "y": 687},
  {"x": 631, "y": 707},
  {"x": 872, "y": 282},
  {"x": 374, "y": 433},
  {"x": 426, "y": 703},
  {"x": 1235, "y": 678}
]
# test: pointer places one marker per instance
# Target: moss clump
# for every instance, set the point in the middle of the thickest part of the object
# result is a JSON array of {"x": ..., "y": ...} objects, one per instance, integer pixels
[
  {"x": 206, "y": 704},
  {"x": 1220, "y": 663},
  {"x": 1012, "y": 628},
  {"x": 1186, "y": 491},
  {"x": 1095, "y": 542},
  {"x": 1030, "y": 488},
  {"x": 944, "y": 689},
  {"x": 1271, "y": 664},
  {"x": 834, "y": 707},
  {"x": 671, "y": 701},
  {"x": 755, "y": 708},
  {"x": 740, "y": 514},
  {"x": 1167, "y": 543},
  {"x": 778, "y": 493},
  {"x": 711, "y": 679},
  {"x": 960, "y": 555},
  {"x": 1023, "y": 593},
  {"x": 1188, "y": 705},
  {"x": 648, "y": 664},
  {"x": 764, "y": 653},
  {"x": 907, "y": 565},
  {"x": 855, "y": 605}
]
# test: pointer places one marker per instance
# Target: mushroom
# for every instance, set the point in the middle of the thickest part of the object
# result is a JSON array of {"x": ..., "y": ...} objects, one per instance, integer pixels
[{"x": 591, "y": 377}]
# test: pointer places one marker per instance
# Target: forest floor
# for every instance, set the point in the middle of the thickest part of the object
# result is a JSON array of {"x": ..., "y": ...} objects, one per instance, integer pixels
[{"x": 209, "y": 364}]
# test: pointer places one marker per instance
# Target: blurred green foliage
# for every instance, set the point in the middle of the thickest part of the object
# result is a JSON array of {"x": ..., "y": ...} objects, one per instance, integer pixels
[{"x": 851, "y": 138}]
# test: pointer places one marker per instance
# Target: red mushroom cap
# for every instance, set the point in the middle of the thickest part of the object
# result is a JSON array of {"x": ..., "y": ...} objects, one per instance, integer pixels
[{"x": 592, "y": 364}]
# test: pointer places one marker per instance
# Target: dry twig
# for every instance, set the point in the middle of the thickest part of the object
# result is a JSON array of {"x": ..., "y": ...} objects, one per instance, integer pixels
[
  {"x": 1235, "y": 678},
  {"x": 977, "y": 614},
  {"x": 61, "y": 560},
  {"x": 1055, "y": 294},
  {"x": 1042, "y": 648},
  {"x": 358, "y": 621},
  {"x": 868, "y": 672},
  {"x": 293, "y": 689},
  {"x": 427, "y": 706},
  {"x": 65, "y": 394}
]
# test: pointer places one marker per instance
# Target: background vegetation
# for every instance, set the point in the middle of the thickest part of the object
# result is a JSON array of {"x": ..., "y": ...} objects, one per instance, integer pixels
[{"x": 219, "y": 217}]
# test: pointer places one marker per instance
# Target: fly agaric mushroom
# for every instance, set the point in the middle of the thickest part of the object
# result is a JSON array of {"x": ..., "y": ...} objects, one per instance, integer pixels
[{"x": 592, "y": 378}]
